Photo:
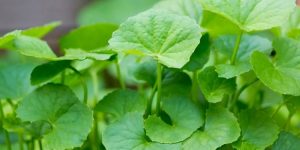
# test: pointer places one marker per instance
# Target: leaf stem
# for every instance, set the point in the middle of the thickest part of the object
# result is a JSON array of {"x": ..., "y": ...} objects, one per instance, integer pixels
[
  {"x": 21, "y": 141},
  {"x": 150, "y": 100},
  {"x": 236, "y": 48},
  {"x": 119, "y": 74},
  {"x": 62, "y": 78},
  {"x": 158, "y": 80},
  {"x": 195, "y": 87},
  {"x": 40, "y": 144},
  {"x": 7, "y": 138},
  {"x": 84, "y": 86}
]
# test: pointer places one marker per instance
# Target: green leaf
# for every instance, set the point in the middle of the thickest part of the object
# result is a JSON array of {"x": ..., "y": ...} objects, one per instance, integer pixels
[
  {"x": 249, "y": 44},
  {"x": 292, "y": 103},
  {"x": 89, "y": 37},
  {"x": 79, "y": 54},
  {"x": 287, "y": 141},
  {"x": 258, "y": 130},
  {"x": 47, "y": 71},
  {"x": 33, "y": 47},
  {"x": 168, "y": 38},
  {"x": 15, "y": 81},
  {"x": 121, "y": 102},
  {"x": 213, "y": 87},
  {"x": 221, "y": 127},
  {"x": 251, "y": 15},
  {"x": 292, "y": 27},
  {"x": 70, "y": 120},
  {"x": 190, "y": 8},
  {"x": 112, "y": 11},
  {"x": 40, "y": 31},
  {"x": 282, "y": 74},
  {"x": 128, "y": 134},
  {"x": 201, "y": 55},
  {"x": 185, "y": 117},
  {"x": 146, "y": 71}
]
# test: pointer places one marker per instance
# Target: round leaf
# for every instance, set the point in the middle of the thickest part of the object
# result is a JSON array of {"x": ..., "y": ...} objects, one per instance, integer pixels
[
  {"x": 185, "y": 117},
  {"x": 258, "y": 130},
  {"x": 221, "y": 127},
  {"x": 120, "y": 102},
  {"x": 213, "y": 87},
  {"x": 168, "y": 38},
  {"x": 252, "y": 15},
  {"x": 287, "y": 141},
  {"x": 128, "y": 134},
  {"x": 281, "y": 74},
  {"x": 70, "y": 120}
]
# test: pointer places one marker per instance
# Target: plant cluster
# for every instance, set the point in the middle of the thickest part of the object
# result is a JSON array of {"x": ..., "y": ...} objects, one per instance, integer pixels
[{"x": 193, "y": 75}]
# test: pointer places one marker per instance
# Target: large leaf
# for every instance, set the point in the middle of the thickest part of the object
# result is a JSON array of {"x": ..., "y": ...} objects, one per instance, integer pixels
[
  {"x": 221, "y": 127},
  {"x": 191, "y": 8},
  {"x": 112, "y": 11},
  {"x": 185, "y": 117},
  {"x": 282, "y": 74},
  {"x": 128, "y": 134},
  {"x": 249, "y": 44},
  {"x": 47, "y": 71},
  {"x": 70, "y": 120},
  {"x": 88, "y": 37},
  {"x": 213, "y": 87},
  {"x": 287, "y": 141},
  {"x": 30, "y": 46},
  {"x": 168, "y": 38},
  {"x": 121, "y": 102},
  {"x": 200, "y": 56},
  {"x": 252, "y": 15},
  {"x": 258, "y": 130},
  {"x": 15, "y": 81}
]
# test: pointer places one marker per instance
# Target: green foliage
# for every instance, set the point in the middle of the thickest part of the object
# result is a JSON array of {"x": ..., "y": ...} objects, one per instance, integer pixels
[{"x": 149, "y": 80}]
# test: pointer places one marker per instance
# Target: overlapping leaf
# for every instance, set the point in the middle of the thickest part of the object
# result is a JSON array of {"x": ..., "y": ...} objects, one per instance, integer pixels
[
  {"x": 221, "y": 127},
  {"x": 252, "y": 15},
  {"x": 70, "y": 120},
  {"x": 282, "y": 73},
  {"x": 128, "y": 134},
  {"x": 168, "y": 38},
  {"x": 287, "y": 141}
]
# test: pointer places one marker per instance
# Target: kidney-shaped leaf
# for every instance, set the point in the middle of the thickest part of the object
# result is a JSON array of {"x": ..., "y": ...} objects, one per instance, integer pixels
[
  {"x": 171, "y": 39},
  {"x": 258, "y": 130},
  {"x": 282, "y": 74},
  {"x": 120, "y": 102},
  {"x": 221, "y": 127},
  {"x": 249, "y": 44},
  {"x": 213, "y": 87},
  {"x": 185, "y": 117},
  {"x": 252, "y": 15},
  {"x": 70, "y": 120},
  {"x": 128, "y": 134}
]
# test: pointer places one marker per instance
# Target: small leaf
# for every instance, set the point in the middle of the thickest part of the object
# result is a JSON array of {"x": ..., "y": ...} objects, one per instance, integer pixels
[
  {"x": 292, "y": 103},
  {"x": 89, "y": 37},
  {"x": 249, "y": 44},
  {"x": 146, "y": 71},
  {"x": 40, "y": 31},
  {"x": 291, "y": 28},
  {"x": 47, "y": 71},
  {"x": 282, "y": 73},
  {"x": 201, "y": 55},
  {"x": 252, "y": 15},
  {"x": 78, "y": 54},
  {"x": 258, "y": 130},
  {"x": 213, "y": 87},
  {"x": 33, "y": 47},
  {"x": 287, "y": 141},
  {"x": 128, "y": 134},
  {"x": 70, "y": 120},
  {"x": 121, "y": 102},
  {"x": 190, "y": 8},
  {"x": 185, "y": 117},
  {"x": 15, "y": 81},
  {"x": 168, "y": 38},
  {"x": 221, "y": 127}
]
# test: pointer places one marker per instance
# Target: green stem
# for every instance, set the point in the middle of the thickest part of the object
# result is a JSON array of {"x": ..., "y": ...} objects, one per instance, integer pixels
[
  {"x": 150, "y": 100},
  {"x": 84, "y": 86},
  {"x": 95, "y": 79},
  {"x": 287, "y": 124},
  {"x": 119, "y": 74},
  {"x": 7, "y": 138},
  {"x": 63, "y": 76},
  {"x": 277, "y": 109},
  {"x": 236, "y": 48},
  {"x": 21, "y": 141},
  {"x": 158, "y": 80},
  {"x": 240, "y": 91},
  {"x": 195, "y": 87},
  {"x": 40, "y": 144}
]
